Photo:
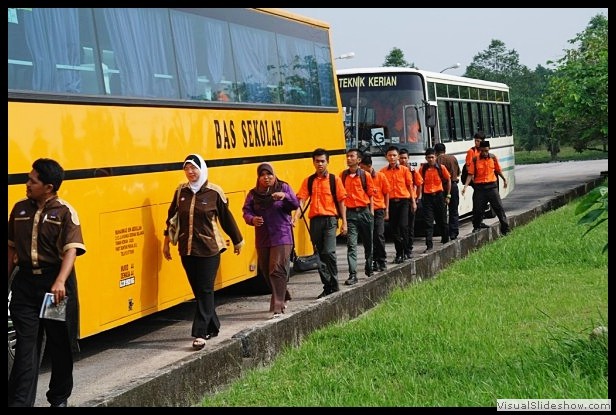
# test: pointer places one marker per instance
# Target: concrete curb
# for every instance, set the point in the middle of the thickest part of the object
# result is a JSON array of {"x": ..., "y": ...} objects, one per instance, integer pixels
[{"x": 185, "y": 382}]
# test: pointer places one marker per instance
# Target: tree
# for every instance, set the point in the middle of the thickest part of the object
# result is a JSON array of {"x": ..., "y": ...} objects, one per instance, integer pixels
[
  {"x": 577, "y": 96},
  {"x": 396, "y": 58},
  {"x": 531, "y": 129},
  {"x": 498, "y": 64}
]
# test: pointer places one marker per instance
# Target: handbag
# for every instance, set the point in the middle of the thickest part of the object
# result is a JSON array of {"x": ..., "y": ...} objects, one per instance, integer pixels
[
  {"x": 306, "y": 262},
  {"x": 174, "y": 222}
]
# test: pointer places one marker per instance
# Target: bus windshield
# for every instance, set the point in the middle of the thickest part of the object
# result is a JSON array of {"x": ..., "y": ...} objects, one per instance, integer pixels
[{"x": 384, "y": 109}]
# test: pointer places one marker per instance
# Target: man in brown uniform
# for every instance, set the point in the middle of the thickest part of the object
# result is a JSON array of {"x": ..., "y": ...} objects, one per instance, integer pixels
[
  {"x": 453, "y": 167},
  {"x": 44, "y": 240}
]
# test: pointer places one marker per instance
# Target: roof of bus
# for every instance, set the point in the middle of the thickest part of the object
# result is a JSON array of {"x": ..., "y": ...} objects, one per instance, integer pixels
[
  {"x": 294, "y": 16},
  {"x": 431, "y": 76}
]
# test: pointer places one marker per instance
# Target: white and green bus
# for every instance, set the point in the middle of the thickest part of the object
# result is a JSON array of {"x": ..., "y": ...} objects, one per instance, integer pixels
[{"x": 415, "y": 109}]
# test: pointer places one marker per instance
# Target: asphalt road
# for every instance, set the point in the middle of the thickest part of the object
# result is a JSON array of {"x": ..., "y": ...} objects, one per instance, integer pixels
[{"x": 110, "y": 362}]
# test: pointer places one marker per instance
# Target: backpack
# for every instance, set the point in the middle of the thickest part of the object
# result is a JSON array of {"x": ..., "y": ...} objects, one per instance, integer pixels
[
  {"x": 362, "y": 176},
  {"x": 332, "y": 187},
  {"x": 424, "y": 167},
  {"x": 464, "y": 175}
]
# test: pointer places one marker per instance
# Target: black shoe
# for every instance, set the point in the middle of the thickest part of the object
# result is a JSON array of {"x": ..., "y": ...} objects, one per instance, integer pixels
[
  {"x": 407, "y": 255},
  {"x": 428, "y": 249},
  {"x": 398, "y": 260},
  {"x": 476, "y": 230},
  {"x": 382, "y": 266},
  {"x": 62, "y": 404},
  {"x": 483, "y": 225},
  {"x": 444, "y": 240},
  {"x": 375, "y": 266},
  {"x": 453, "y": 237},
  {"x": 352, "y": 280},
  {"x": 209, "y": 336},
  {"x": 325, "y": 293},
  {"x": 504, "y": 231},
  {"x": 369, "y": 273}
]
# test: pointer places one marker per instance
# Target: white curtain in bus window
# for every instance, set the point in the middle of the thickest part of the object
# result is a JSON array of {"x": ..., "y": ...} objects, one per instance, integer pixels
[
  {"x": 52, "y": 35},
  {"x": 255, "y": 62},
  {"x": 200, "y": 46},
  {"x": 142, "y": 51}
]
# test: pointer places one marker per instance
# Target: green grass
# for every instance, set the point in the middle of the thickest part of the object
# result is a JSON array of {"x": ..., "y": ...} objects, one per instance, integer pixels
[
  {"x": 510, "y": 321},
  {"x": 565, "y": 154}
]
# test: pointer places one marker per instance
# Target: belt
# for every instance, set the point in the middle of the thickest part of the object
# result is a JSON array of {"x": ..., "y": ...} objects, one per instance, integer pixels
[
  {"x": 433, "y": 194},
  {"x": 399, "y": 199},
  {"x": 454, "y": 181},
  {"x": 41, "y": 270},
  {"x": 488, "y": 185},
  {"x": 357, "y": 209}
]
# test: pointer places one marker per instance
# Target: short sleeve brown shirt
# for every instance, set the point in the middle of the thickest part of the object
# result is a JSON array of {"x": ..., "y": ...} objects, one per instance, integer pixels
[{"x": 41, "y": 236}]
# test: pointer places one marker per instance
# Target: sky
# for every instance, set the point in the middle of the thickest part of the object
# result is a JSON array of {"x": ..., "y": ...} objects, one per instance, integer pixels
[{"x": 434, "y": 39}]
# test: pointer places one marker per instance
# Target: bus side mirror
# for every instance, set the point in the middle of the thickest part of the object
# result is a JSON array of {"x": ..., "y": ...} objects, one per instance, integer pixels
[{"x": 431, "y": 116}]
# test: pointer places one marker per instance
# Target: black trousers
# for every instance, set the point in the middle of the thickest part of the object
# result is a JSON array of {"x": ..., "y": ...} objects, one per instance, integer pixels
[
  {"x": 399, "y": 224},
  {"x": 410, "y": 237},
  {"x": 201, "y": 273},
  {"x": 27, "y": 292},
  {"x": 323, "y": 237},
  {"x": 488, "y": 193},
  {"x": 454, "y": 215},
  {"x": 378, "y": 237},
  {"x": 435, "y": 210}
]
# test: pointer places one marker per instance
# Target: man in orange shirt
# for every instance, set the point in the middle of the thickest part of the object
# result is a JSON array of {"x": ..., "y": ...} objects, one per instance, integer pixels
[
  {"x": 400, "y": 200},
  {"x": 483, "y": 172},
  {"x": 403, "y": 158},
  {"x": 434, "y": 205},
  {"x": 380, "y": 203},
  {"x": 360, "y": 213},
  {"x": 323, "y": 217},
  {"x": 474, "y": 152}
]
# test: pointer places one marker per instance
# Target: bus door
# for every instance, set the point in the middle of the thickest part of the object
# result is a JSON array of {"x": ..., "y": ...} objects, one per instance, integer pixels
[{"x": 127, "y": 277}]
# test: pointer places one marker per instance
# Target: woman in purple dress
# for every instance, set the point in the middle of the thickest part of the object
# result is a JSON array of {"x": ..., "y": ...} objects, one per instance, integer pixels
[{"x": 268, "y": 208}]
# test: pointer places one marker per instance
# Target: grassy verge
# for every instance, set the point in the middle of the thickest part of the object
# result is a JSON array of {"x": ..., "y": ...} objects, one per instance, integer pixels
[
  {"x": 509, "y": 321},
  {"x": 565, "y": 154}
]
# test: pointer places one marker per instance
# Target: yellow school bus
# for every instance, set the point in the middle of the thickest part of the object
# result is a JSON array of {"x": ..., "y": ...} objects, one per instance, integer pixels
[{"x": 120, "y": 96}]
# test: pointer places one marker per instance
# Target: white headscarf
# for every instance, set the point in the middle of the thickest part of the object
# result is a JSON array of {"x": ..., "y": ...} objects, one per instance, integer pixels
[{"x": 197, "y": 161}]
